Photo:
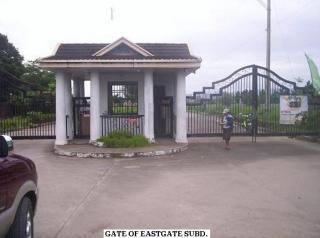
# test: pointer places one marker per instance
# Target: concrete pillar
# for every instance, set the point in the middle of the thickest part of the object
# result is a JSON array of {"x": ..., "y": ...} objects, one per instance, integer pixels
[
  {"x": 181, "y": 108},
  {"x": 68, "y": 107},
  {"x": 81, "y": 87},
  {"x": 174, "y": 104},
  {"x": 103, "y": 96},
  {"x": 76, "y": 87},
  {"x": 141, "y": 97},
  {"x": 61, "y": 137},
  {"x": 148, "y": 105},
  {"x": 95, "y": 123}
]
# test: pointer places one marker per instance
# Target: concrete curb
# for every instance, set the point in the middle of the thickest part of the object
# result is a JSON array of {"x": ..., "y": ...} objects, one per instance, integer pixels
[{"x": 104, "y": 155}]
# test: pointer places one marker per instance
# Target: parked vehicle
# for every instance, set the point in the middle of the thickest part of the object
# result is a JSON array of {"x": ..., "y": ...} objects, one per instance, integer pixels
[{"x": 18, "y": 192}]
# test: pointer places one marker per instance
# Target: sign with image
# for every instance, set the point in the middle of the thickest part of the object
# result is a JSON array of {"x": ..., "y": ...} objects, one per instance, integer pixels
[{"x": 292, "y": 109}]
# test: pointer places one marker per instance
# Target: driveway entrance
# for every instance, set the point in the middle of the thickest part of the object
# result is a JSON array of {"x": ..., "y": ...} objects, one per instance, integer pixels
[{"x": 274, "y": 192}]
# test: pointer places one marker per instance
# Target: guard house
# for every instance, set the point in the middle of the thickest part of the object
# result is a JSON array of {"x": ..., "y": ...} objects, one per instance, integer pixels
[{"x": 138, "y": 87}]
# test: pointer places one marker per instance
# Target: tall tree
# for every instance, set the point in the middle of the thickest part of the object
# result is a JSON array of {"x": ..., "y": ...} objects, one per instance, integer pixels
[
  {"x": 10, "y": 58},
  {"x": 37, "y": 76}
]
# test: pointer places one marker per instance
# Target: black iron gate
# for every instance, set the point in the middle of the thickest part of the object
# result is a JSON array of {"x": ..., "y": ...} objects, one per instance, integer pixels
[
  {"x": 28, "y": 118},
  {"x": 252, "y": 94}
]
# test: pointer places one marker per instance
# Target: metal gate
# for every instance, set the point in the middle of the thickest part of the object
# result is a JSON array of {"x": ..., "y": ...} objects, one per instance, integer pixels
[
  {"x": 252, "y": 93},
  {"x": 28, "y": 118}
]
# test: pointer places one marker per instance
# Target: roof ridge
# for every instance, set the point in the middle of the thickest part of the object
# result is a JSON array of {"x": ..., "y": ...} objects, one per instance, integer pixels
[
  {"x": 165, "y": 43},
  {"x": 84, "y": 43},
  {"x": 158, "y": 43}
]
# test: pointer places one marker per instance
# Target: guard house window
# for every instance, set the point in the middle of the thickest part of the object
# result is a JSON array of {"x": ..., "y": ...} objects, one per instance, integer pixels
[{"x": 123, "y": 98}]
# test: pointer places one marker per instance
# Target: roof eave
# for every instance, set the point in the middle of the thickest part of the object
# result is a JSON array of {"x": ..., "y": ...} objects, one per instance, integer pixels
[
  {"x": 193, "y": 64},
  {"x": 46, "y": 60}
]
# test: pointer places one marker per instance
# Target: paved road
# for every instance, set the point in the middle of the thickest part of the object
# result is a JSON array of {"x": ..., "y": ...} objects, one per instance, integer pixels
[{"x": 268, "y": 189}]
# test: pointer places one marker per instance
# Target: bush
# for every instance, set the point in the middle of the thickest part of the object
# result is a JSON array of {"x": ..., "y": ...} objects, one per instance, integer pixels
[
  {"x": 39, "y": 117},
  {"x": 30, "y": 120},
  {"x": 123, "y": 140}
]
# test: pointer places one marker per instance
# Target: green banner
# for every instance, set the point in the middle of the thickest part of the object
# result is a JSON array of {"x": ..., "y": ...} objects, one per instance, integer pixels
[{"x": 314, "y": 75}]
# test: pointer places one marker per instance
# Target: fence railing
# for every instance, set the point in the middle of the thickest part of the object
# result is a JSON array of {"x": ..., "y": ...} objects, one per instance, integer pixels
[
  {"x": 28, "y": 120},
  {"x": 132, "y": 124}
]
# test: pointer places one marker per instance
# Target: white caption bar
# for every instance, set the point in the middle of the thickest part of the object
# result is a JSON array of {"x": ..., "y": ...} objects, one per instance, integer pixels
[{"x": 157, "y": 233}]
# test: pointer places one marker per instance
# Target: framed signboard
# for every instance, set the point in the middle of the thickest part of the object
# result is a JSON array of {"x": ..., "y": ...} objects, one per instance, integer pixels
[{"x": 292, "y": 108}]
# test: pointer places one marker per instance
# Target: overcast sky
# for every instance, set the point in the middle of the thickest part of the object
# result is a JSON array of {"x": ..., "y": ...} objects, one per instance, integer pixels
[{"x": 226, "y": 34}]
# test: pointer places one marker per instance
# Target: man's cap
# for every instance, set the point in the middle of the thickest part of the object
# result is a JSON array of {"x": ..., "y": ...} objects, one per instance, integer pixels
[{"x": 226, "y": 110}]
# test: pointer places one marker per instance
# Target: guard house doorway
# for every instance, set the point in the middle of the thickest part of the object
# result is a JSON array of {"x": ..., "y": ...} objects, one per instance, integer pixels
[
  {"x": 163, "y": 113},
  {"x": 81, "y": 112}
]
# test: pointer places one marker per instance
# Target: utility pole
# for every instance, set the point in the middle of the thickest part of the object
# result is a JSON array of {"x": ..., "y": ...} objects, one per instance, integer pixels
[
  {"x": 267, "y": 84},
  {"x": 268, "y": 53},
  {"x": 111, "y": 13},
  {"x": 268, "y": 34}
]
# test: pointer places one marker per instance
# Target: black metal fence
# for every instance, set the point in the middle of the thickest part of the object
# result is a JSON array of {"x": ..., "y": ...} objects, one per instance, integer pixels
[
  {"x": 132, "y": 124},
  {"x": 29, "y": 118},
  {"x": 252, "y": 94}
]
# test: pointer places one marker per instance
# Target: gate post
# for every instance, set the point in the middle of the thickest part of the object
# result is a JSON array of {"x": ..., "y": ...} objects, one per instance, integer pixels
[
  {"x": 61, "y": 136},
  {"x": 181, "y": 108},
  {"x": 254, "y": 101}
]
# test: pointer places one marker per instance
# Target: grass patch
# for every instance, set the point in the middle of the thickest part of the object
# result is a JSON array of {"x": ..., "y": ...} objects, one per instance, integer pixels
[
  {"x": 121, "y": 139},
  {"x": 30, "y": 120}
]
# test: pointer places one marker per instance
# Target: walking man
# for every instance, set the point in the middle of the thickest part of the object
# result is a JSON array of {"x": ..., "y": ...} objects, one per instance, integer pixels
[{"x": 227, "y": 127}]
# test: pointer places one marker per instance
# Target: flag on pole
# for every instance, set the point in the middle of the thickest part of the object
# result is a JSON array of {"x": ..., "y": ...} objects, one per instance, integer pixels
[{"x": 314, "y": 75}]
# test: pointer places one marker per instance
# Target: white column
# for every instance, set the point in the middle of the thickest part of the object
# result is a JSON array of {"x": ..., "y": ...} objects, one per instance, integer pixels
[
  {"x": 181, "y": 108},
  {"x": 69, "y": 111},
  {"x": 61, "y": 137},
  {"x": 174, "y": 104},
  {"x": 141, "y": 97},
  {"x": 81, "y": 87},
  {"x": 103, "y": 96},
  {"x": 148, "y": 105},
  {"x": 76, "y": 87},
  {"x": 94, "y": 106}
]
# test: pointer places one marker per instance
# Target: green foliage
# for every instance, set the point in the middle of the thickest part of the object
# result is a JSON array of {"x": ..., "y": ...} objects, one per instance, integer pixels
[
  {"x": 122, "y": 109},
  {"x": 39, "y": 117},
  {"x": 12, "y": 62},
  {"x": 122, "y": 139},
  {"x": 10, "y": 58},
  {"x": 43, "y": 79},
  {"x": 32, "y": 119}
]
